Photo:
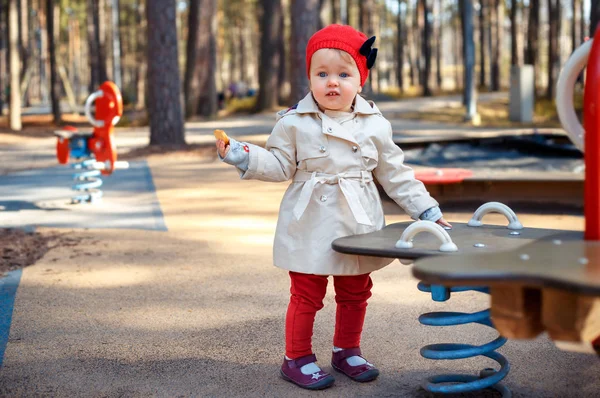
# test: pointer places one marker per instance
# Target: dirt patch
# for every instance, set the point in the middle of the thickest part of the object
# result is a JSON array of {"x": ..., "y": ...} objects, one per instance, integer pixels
[{"x": 19, "y": 248}]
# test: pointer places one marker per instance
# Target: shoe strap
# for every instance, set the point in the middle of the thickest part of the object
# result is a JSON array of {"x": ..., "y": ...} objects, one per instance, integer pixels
[
  {"x": 300, "y": 362},
  {"x": 350, "y": 352}
]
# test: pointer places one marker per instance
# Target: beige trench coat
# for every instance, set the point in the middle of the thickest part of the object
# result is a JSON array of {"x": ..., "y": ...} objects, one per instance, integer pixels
[{"x": 333, "y": 194}]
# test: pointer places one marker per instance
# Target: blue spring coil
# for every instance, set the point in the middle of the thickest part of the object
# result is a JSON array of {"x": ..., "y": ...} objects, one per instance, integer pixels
[
  {"x": 461, "y": 383},
  {"x": 87, "y": 181}
]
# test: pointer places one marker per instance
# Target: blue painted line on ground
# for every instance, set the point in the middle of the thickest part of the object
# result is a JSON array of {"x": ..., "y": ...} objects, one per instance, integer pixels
[
  {"x": 8, "y": 291},
  {"x": 156, "y": 210}
]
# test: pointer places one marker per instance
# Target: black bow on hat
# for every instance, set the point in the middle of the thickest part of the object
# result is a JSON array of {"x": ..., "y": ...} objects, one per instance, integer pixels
[{"x": 370, "y": 53}]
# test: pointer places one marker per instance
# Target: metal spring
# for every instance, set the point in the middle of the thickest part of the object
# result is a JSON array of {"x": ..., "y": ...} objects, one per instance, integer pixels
[
  {"x": 87, "y": 182},
  {"x": 460, "y": 383}
]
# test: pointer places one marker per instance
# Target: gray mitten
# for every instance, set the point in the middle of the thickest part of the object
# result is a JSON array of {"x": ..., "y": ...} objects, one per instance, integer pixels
[
  {"x": 238, "y": 155},
  {"x": 432, "y": 214}
]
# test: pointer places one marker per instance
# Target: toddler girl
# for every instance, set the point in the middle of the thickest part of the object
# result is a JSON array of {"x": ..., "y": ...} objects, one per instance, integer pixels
[{"x": 331, "y": 144}]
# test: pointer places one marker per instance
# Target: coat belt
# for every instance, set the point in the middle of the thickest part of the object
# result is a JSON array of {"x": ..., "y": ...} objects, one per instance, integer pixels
[{"x": 348, "y": 184}]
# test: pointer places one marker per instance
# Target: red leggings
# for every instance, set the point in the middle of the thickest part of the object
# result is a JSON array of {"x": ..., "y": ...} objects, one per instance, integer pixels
[{"x": 307, "y": 293}]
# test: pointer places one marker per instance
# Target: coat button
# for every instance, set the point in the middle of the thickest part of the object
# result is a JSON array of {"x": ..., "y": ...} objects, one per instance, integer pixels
[
  {"x": 323, "y": 198},
  {"x": 354, "y": 148},
  {"x": 329, "y": 129},
  {"x": 322, "y": 148}
]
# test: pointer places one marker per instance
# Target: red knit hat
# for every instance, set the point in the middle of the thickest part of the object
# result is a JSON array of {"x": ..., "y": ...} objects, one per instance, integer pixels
[{"x": 348, "y": 39}]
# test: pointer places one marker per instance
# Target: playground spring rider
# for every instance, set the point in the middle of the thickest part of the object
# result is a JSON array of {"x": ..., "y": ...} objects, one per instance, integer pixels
[
  {"x": 95, "y": 151},
  {"x": 588, "y": 53}
]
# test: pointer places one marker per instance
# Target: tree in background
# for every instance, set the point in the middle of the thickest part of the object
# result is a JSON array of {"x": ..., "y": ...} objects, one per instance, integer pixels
[
  {"x": 270, "y": 56},
  {"x": 554, "y": 15},
  {"x": 305, "y": 19},
  {"x": 469, "y": 93},
  {"x": 400, "y": 43},
  {"x": 594, "y": 16},
  {"x": 97, "y": 43},
  {"x": 199, "y": 82},
  {"x": 515, "y": 33},
  {"x": 51, "y": 12},
  {"x": 533, "y": 24},
  {"x": 497, "y": 9},
  {"x": 14, "y": 71},
  {"x": 426, "y": 47},
  {"x": 164, "y": 89}
]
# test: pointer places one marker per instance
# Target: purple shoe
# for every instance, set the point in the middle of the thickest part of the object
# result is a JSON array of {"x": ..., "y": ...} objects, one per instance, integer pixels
[
  {"x": 290, "y": 371},
  {"x": 362, "y": 373}
]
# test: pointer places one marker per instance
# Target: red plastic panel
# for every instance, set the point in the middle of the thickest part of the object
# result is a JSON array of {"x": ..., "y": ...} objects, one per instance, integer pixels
[
  {"x": 442, "y": 176},
  {"x": 591, "y": 123}
]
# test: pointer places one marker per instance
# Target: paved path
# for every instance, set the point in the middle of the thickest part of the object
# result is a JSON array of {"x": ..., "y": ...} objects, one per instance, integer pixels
[{"x": 199, "y": 310}]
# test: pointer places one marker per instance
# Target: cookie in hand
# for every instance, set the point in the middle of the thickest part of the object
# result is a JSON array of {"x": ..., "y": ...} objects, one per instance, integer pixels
[{"x": 220, "y": 135}]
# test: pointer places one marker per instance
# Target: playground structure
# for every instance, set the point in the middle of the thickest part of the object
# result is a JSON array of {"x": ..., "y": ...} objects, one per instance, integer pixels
[
  {"x": 539, "y": 280},
  {"x": 95, "y": 152}
]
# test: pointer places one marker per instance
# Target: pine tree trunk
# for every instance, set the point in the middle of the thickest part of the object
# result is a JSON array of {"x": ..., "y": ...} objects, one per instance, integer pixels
[
  {"x": 100, "y": 34},
  {"x": 594, "y": 16},
  {"x": 410, "y": 39},
  {"x": 14, "y": 69},
  {"x": 583, "y": 26},
  {"x": 531, "y": 54},
  {"x": 3, "y": 67},
  {"x": 304, "y": 25},
  {"x": 164, "y": 88},
  {"x": 365, "y": 13},
  {"x": 438, "y": 45},
  {"x": 24, "y": 36},
  {"x": 116, "y": 42},
  {"x": 426, "y": 48},
  {"x": 206, "y": 57},
  {"x": 283, "y": 91},
  {"x": 466, "y": 8},
  {"x": 497, "y": 45},
  {"x": 400, "y": 41},
  {"x": 418, "y": 35},
  {"x": 335, "y": 11},
  {"x": 514, "y": 33},
  {"x": 574, "y": 24},
  {"x": 483, "y": 8},
  {"x": 190, "y": 85},
  {"x": 200, "y": 85},
  {"x": 553, "y": 56},
  {"x": 268, "y": 70},
  {"x": 140, "y": 50},
  {"x": 54, "y": 82},
  {"x": 96, "y": 39},
  {"x": 457, "y": 41}
]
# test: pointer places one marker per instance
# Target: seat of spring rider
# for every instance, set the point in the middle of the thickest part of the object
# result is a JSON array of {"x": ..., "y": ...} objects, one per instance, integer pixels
[
  {"x": 540, "y": 280},
  {"x": 68, "y": 134},
  {"x": 490, "y": 254}
]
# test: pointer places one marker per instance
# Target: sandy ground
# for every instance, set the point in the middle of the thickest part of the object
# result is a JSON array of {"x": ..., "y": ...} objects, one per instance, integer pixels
[{"x": 199, "y": 310}]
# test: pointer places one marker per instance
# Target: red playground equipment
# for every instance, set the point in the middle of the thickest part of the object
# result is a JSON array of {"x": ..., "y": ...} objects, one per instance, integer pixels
[{"x": 97, "y": 148}]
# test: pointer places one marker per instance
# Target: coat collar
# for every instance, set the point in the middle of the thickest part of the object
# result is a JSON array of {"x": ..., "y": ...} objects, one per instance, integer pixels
[{"x": 329, "y": 126}]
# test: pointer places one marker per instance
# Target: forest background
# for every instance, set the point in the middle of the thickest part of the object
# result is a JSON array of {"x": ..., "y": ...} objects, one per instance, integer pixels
[{"x": 175, "y": 60}]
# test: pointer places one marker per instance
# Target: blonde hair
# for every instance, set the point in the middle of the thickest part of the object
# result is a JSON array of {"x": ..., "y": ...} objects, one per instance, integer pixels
[{"x": 343, "y": 55}]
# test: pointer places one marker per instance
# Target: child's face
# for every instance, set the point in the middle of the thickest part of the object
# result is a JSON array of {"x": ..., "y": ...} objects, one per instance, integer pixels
[{"x": 334, "y": 79}]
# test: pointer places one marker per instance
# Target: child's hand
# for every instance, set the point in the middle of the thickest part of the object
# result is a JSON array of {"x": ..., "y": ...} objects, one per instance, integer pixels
[
  {"x": 222, "y": 148},
  {"x": 443, "y": 223}
]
